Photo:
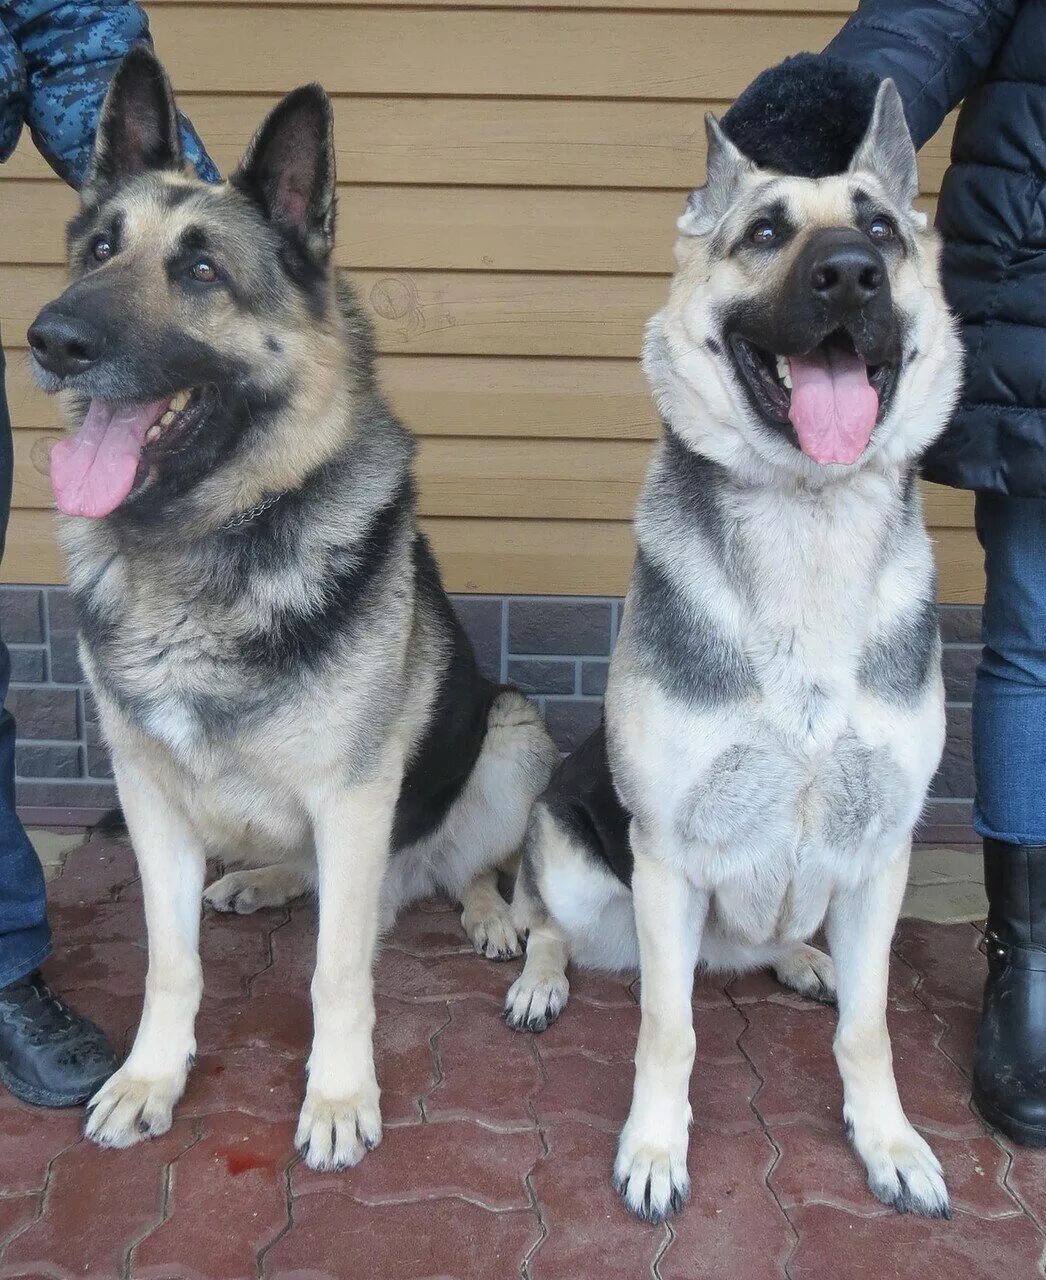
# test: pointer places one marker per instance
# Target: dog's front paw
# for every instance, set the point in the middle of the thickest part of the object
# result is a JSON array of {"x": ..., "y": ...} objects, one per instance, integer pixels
[
  {"x": 902, "y": 1171},
  {"x": 808, "y": 971},
  {"x": 535, "y": 1000},
  {"x": 651, "y": 1176},
  {"x": 336, "y": 1133},
  {"x": 126, "y": 1109},
  {"x": 493, "y": 935}
]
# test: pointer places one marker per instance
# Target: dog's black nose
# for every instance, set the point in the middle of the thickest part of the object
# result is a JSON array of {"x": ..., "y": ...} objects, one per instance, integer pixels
[
  {"x": 62, "y": 344},
  {"x": 847, "y": 274}
]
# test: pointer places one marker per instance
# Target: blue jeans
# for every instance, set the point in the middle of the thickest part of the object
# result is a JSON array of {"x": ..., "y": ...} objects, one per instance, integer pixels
[
  {"x": 25, "y": 939},
  {"x": 1009, "y": 701}
]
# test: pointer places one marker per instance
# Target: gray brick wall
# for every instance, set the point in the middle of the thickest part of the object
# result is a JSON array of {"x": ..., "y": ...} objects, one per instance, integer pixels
[{"x": 555, "y": 649}]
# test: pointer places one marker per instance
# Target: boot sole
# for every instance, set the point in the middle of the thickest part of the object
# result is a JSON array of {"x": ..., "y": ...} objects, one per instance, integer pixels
[
  {"x": 1025, "y": 1135},
  {"x": 42, "y": 1097}
]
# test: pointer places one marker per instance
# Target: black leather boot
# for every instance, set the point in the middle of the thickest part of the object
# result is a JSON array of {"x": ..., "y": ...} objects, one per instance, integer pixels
[
  {"x": 1009, "y": 1068},
  {"x": 50, "y": 1055}
]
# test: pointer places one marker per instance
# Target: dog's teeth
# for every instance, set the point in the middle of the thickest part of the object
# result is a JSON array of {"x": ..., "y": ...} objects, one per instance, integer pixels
[
  {"x": 786, "y": 380},
  {"x": 179, "y": 402},
  {"x": 168, "y": 418},
  {"x": 153, "y": 434}
]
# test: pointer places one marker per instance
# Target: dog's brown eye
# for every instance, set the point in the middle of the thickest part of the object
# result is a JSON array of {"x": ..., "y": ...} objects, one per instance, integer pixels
[
  {"x": 101, "y": 248},
  {"x": 204, "y": 271},
  {"x": 881, "y": 229},
  {"x": 762, "y": 234}
]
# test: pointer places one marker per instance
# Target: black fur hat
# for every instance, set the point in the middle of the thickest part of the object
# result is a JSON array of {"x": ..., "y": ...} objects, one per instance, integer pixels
[{"x": 806, "y": 116}]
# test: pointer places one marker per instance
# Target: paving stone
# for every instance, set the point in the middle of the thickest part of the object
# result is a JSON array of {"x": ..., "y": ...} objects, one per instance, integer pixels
[
  {"x": 945, "y": 865},
  {"x": 334, "y": 1237},
  {"x": 608, "y": 990},
  {"x": 790, "y": 1048},
  {"x": 277, "y": 1021},
  {"x": 53, "y": 847},
  {"x": 43, "y": 712},
  {"x": 482, "y": 622},
  {"x": 235, "y": 1174},
  {"x": 588, "y": 1091},
  {"x": 542, "y": 675},
  {"x": 118, "y": 967},
  {"x": 30, "y": 1138},
  {"x": 948, "y": 960},
  {"x": 98, "y": 1203},
  {"x": 16, "y": 1212},
  {"x": 833, "y": 1243},
  {"x": 760, "y": 984},
  {"x": 256, "y": 1081},
  {"x": 960, "y": 624},
  {"x": 84, "y": 923},
  {"x": 732, "y": 1225},
  {"x": 583, "y": 1214},
  {"x": 21, "y": 621},
  {"x": 821, "y": 1168},
  {"x": 27, "y": 665},
  {"x": 430, "y": 933},
  {"x": 77, "y": 794},
  {"x": 956, "y": 903},
  {"x": 235, "y": 949},
  {"x": 610, "y": 1035},
  {"x": 441, "y": 1161},
  {"x": 1027, "y": 1178},
  {"x": 95, "y": 871},
  {"x": 407, "y": 977},
  {"x": 571, "y": 720},
  {"x": 474, "y": 1037}
]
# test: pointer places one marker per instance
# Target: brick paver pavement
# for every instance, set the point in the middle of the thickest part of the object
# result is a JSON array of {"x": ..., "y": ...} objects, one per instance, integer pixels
[{"x": 498, "y": 1147}]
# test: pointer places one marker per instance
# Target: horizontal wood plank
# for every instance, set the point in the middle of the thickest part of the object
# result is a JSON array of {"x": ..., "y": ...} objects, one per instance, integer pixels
[
  {"x": 514, "y": 479},
  {"x": 434, "y": 228},
  {"x": 463, "y": 396},
  {"x": 540, "y": 557},
  {"x": 450, "y": 313},
  {"x": 500, "y": 52},
  {"x": 514, "y": 142},
  {"x": 840, "y": 7}
]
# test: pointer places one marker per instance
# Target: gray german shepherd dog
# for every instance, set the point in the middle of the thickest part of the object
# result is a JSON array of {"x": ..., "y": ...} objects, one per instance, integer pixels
[
  {"x": 277, "y": 668},
  {"x": 775, "y": 709}
]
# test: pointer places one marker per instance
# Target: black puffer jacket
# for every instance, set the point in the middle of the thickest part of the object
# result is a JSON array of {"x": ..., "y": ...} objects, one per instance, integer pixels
[{"x": 991, "y": 213}]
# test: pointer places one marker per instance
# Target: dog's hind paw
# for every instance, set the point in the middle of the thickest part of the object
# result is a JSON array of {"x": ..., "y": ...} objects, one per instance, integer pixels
[
  {"x": 651, "y": 1179},
  {"x": 126, "y": 1110},
  {"x": 903, "y": 1172},
  {"x": 493, "y": 936},
  {"x": 534, "y": 1002},
  {"x": 336, "y": 1133},
  {"x": 808, "y": 971}
]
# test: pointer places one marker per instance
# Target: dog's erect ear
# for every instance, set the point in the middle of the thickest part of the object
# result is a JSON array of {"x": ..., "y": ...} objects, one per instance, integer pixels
[
  {"x": 887, "y": 149},
  {"x": 725, "y": 168},
  {"x": 289, "y": 167},
  {"x": 138, "y": 125}
]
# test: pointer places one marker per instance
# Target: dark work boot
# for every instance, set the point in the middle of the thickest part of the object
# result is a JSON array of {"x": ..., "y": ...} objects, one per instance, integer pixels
[
  {"x": 1009, "y": 1068},
  {"x": 49, "y": 1054}
]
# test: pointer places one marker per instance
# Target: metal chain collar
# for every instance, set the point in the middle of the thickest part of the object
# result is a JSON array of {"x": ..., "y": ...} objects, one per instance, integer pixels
[{"x": 245, "y": 517}]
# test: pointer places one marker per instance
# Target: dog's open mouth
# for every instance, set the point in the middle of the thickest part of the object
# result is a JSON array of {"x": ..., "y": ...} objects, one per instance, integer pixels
[
  {"x": 95, "y": 470},
  {"x": 831, "y": 398}
]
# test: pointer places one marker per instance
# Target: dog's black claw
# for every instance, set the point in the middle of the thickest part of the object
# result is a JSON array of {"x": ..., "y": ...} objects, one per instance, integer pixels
[{"x": 369, "y": 1144}]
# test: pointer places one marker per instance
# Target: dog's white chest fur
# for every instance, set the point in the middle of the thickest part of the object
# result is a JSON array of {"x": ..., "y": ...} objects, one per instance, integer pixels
[{"x": 807, "y": 778}]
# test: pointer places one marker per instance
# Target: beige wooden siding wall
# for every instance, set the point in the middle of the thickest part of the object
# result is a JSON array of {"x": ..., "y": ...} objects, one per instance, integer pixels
[{"x": 509, "y": 180}]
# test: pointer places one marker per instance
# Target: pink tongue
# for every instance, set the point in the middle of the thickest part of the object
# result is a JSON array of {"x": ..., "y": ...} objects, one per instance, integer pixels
[
  {"x": 834, "y": 406},
  {"x": 92, "y": 473}
]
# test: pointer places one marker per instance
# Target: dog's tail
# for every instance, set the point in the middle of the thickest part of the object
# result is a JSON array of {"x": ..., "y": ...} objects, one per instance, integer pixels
[{"x": 112, "y": 823}]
